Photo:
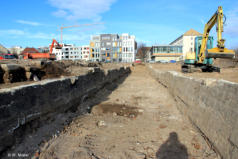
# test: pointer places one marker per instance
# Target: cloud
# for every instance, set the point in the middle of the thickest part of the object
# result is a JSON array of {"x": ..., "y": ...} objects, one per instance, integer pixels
[
  {"x": 230, "y": 28},
  {"x": 28, "y": 22},
  {"x": 81, "y": 9},
  {"x": 202, "y": 21},
  {"x": 11, "y": 32},
  {"x": 78, "y": 37},
  {"x": 16, "y": 33},
  {"x": 232, "y": 23}
]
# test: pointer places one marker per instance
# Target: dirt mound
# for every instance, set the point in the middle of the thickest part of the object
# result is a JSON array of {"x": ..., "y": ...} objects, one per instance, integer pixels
[
  {"x": 54, "y": 69},
  {"x": 226, "y": 63}
]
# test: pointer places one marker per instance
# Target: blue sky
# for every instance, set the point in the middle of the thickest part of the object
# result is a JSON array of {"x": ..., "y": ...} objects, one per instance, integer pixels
[{"x": 34, "y": 23}]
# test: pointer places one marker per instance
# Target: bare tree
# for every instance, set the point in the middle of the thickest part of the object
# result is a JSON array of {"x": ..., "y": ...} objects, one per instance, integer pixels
[
  {"x": 236, "y": 53},
  {"x": 142, "y": 51}
]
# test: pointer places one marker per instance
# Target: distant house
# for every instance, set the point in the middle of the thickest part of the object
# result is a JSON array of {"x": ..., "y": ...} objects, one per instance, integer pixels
[
  {"x": 187, "y": 40},
  {"x": 166, "y": 53},
  {"x": 16, "y": 50},
  {"x": 29, "y": 50},
  {"x": 3, "y": 50}
]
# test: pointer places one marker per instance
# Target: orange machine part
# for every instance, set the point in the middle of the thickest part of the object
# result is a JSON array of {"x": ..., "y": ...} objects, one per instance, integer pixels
[{"x": 43, "y": 55}]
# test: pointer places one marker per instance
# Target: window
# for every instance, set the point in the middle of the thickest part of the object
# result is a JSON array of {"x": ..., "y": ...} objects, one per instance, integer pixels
[
  {"x": 106, "y": 38},
  {"x": 155, "y": 50}
]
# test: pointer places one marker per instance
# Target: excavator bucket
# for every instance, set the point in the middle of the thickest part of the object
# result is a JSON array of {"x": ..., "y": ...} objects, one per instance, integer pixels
[{"x": 217, "y": 53}]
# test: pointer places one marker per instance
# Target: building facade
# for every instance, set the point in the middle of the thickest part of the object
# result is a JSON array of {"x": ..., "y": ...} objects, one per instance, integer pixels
[
  {"x": 166, "y": 53},
  {"x": 68, "y": 52},
  {"x": 16, "y": 50},
  {"x": 187, "y": 40},
  {"x": 95, "y": 48},
  {"x": 109, "y": 48},
  {"x": 85, "y": 53},
  {"x": 129, "y": 48}
]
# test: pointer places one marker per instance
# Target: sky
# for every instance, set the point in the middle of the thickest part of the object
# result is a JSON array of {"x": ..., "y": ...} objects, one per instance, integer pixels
[{"x": 34, "y": 23}]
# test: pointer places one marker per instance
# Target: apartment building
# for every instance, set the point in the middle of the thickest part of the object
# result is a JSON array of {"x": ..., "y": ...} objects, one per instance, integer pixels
[
  {"x": 95, "y": 48},
  {"x": 187, "y": 41},
  {"x": 68, "y": 52},
  {"x": 109, "y": 48},
  {"x": 85, "y": 52},
  {"x": 129, "y": 48}
]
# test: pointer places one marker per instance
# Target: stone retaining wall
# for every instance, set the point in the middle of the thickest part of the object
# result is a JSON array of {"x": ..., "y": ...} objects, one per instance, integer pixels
[
  {"x": 211, "y": 105},
  {"x": 22, "y": 104}
]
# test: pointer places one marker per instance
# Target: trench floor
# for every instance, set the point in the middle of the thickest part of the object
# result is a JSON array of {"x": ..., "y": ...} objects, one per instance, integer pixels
[{"x": 138, "y": 120}]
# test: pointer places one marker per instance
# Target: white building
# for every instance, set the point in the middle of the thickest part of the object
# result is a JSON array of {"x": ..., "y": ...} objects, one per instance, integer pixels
[
  {"x": 85, "y": 52},
  {"x": 16, "y": 50},
  {"x": 129, "y": 48},
  {"x": 113, "y": 48},
  {"x": 68, "y": 52},
  {"x": 187, "y": 41}
]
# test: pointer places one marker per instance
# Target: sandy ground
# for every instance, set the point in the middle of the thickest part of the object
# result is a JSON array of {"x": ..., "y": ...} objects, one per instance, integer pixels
[
  {"x": 229, "y": 74},
  {"x": 139, "y": 119}
]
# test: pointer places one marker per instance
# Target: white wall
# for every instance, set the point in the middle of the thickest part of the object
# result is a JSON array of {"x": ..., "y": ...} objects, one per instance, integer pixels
[
  {"x": 85, "y": 52},
  {"x": 128, "y": 48},
  {"x": 188, "y": 45},
  {"x": 68, "y": 53}
]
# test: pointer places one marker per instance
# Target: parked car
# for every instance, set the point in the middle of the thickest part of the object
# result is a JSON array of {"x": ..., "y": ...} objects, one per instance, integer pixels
[
  {"x": 137, "y": 61},
  {"x": 9, "y": 56},
  {"x": 172, "y": 61}
]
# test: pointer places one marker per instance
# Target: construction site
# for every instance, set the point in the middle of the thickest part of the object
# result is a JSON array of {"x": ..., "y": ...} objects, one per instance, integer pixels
[{"x": 116, "y": 107}]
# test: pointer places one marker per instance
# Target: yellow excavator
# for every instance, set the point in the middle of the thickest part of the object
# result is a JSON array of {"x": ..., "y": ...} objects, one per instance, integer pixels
[{"x": 204, "y": 53}]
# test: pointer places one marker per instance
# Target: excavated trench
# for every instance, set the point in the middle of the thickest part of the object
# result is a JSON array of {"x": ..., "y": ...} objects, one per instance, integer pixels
[
  {"x": 49, "y": 114},
  {"x": 33, "y": 114}
]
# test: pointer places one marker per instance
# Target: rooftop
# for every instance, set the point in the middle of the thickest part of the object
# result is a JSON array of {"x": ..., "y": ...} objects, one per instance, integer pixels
[{"x": 192, "y": 32}]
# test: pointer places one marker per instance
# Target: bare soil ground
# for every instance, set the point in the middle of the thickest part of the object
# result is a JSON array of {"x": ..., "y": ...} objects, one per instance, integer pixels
[
  {"x": 229, "y": 70},
  {"x": 139, "y": 119}
]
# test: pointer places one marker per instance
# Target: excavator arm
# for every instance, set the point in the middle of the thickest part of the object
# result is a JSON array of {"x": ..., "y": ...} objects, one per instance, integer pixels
[
  {"x": 220, "y": 51},
  {"x": 52, "y": 45}
]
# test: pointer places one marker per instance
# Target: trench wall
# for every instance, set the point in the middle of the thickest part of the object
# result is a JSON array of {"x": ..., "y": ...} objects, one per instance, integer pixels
[
  {"x": 211, "y": 105},
  {"x": 22, "y": 104}
]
